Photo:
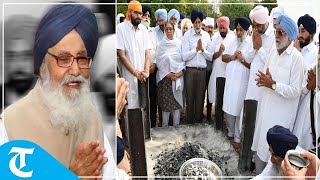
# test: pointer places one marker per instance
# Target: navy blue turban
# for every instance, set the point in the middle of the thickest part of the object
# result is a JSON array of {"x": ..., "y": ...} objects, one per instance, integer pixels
[
  {"x": 244, "y": 22},
  {"x": 281, "y": 140},
  {"x": 182, "y": 16},
  {"x": 308, "y": 23},
  {"x": 121, "y": 147},
  {"x": 58, "y": 22},
  {"x": 196, "y": 14}
]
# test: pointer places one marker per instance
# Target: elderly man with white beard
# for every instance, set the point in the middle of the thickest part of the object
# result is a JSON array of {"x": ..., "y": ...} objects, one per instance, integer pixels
[
  {"x": 195, "y": 43},
  {"x": 237, "y": 76},
  {"x": 281, "y": 85},
  {"x": 58, "y": 113}
]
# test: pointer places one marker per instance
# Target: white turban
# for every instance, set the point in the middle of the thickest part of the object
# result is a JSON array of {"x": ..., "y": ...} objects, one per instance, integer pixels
[
  {"x": 209, "y": 21},
  {"x": 277, "y": 11},
  {"x": 259, "y": 14}
]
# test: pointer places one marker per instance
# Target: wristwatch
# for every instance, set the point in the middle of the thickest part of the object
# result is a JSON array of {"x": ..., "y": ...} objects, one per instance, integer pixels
[{"x": 274, "y": 85}]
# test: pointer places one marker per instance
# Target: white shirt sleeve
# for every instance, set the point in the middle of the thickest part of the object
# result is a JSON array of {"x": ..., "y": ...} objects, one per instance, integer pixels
[
  {"x": 3, "y": 133},
  {"x": 109, "y": 169},
  {"x": 265, "y": 173}
]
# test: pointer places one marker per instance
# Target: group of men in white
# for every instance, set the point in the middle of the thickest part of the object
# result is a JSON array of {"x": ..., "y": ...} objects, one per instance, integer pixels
[{"x": 274, "y": 64}]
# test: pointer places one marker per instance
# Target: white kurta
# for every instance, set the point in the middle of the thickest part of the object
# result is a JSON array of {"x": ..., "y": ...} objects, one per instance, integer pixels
[
  {"x": 279, "y": 106},
  {"x": 135, "y": 43},
  {"x": 109, "y": 170},
  {"x": 237, "y": 76},
  {"x": 260, "y": 58},
  {"x": 169, "y": 59},
  {"x": 153, "y": 44},
  {"x": 219, "y": 67},
  {"x": 309, "y": 54},
  {"x": 302, "y": 125}
]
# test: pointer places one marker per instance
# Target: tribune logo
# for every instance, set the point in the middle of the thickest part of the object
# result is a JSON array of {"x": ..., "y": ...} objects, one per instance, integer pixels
[{"x": 21, "y": 152}]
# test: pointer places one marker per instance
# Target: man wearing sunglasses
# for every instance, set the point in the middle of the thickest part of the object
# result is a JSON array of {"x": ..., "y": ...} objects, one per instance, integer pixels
[
  {"x": 58, "y": 113},
  {"x": 280, "y": 82}
]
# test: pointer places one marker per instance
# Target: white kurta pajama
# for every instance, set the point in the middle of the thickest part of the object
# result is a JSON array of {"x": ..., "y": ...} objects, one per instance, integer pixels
[
  {"x": 219, "y": 67},
  {"x": 309, "y": 54},
  {"x": 260, "y": 58},
  {"x": 279, "y": 106},
  {"x": 302, "y": 125},
  {"x": 169, "y": 60},
  {"x": 135, "y": 43},
  {"x": 237, "y": 76}
]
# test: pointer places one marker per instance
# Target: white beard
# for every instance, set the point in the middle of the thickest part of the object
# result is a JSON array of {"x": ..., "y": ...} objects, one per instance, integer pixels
[
  {"x": 282, "y": 44},
  {"x": 240, "y": 40},
  {"x": 70, "y": 111}
]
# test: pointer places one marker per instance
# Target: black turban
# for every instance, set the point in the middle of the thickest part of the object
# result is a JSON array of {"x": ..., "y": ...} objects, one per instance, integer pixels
[
  {"x": 308, "y": 23},
  {"x": 196, "y": 14},
  {"x": 244, "y": 22},
  {"x": 58, "y": 22},
  {"x": 145, "y": 9},
  {"x": 281, "y": 140}
]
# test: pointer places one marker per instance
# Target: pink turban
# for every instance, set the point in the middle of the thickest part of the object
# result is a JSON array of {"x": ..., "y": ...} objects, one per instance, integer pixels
[
  {"x": 223, "y": 21},
  {"x": 259, "y": 14}
]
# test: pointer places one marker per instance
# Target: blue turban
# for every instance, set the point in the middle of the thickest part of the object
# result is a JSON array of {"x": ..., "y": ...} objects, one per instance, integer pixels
[
  {"x": 281, "y": 140},
  {"x": 162, "y": 13},
  {"x": 196, "y": 14},
  {"x": 174, "y": 12},
  {"x": 244, "y": 22},
  {"x": 308, "y": 23},
  {"x": 182, "y": 16},
  {"x": 289, "y": 26},
  {"x": 58, "y": 22}
]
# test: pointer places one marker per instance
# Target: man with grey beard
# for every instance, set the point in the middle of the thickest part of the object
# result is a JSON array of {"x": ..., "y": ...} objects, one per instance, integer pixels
[
  {"x": 58, "y": 113},
  {"x": 237, "y": 76},
  {"x": 194, "y": 47},
  {"x": 280, "y": 141},
  {"x": 281, "y": 84}
]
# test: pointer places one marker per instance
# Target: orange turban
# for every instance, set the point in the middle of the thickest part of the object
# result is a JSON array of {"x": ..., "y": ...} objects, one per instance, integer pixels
[{"x": 133, "y": 6}]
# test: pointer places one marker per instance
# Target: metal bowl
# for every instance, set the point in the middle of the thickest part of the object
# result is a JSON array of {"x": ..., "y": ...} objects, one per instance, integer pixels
[
  {"x": 296, "y": 160},
  {"x": 200, "y": 168}
]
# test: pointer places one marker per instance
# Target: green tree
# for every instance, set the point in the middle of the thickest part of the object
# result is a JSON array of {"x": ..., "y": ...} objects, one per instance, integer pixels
[
  {"x": 182, "y": 8},
  {"x": 235, "y": 10},
  {"x": 266, "y": 3}
]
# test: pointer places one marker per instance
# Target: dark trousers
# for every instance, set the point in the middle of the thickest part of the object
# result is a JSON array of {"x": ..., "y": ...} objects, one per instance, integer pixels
[
  {"x": 219, "y": 114},
  {"x": 209, "y": 105},
  {"x": 195, "y": 84},
  {"x": 153, "y": 98}
]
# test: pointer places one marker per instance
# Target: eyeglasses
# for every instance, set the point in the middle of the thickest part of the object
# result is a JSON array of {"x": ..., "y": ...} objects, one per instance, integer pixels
[
  {"x": 279, "y": 32},
  {"x": 66, "y": 60}
]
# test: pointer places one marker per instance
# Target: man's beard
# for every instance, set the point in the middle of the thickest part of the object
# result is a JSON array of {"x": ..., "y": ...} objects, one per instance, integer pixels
[
  {"x": 241, "y": 39},
  {"x": 146, "y": 23},
  {"x": 306, "y": 41},
  {"x": 282, "y": 44},
  {"x": 135, "y": 22},
  {"x": 223, "y": 34},
  {"x": 197, "y": 29},
  {"x": 70, "y": 111}
]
